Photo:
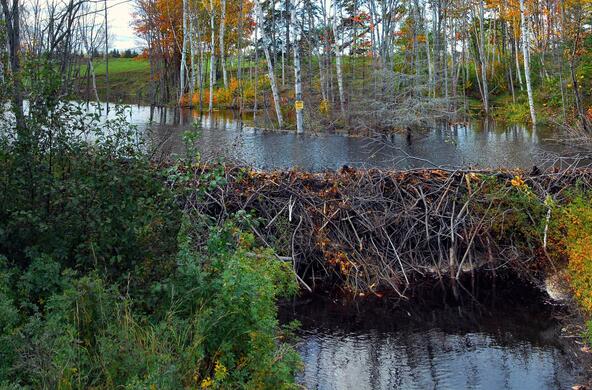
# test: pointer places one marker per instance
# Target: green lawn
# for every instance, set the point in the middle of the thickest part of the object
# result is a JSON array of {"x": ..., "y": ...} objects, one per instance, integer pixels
[
  {"x": 122, "y": 65},
  {"x": 128, "y": 79}
]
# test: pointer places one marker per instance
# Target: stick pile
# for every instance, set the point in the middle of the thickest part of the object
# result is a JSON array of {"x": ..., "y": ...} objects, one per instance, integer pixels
[{"x": 373, "y": 229}]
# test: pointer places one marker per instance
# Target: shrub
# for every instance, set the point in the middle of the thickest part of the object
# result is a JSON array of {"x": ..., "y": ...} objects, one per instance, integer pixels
[
  {"x": 85, "y": 205},
  {"x": 218, "y": 329},
  {"x": 578, "y": 219},
  {"x": 99, "y": 287}
]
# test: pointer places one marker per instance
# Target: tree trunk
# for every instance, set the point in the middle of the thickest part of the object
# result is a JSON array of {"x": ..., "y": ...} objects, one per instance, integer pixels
[
  {"x": 222, "y": 34},
  {"x": 483, "y": 58},
  {"x": 297, "y": 78},
  {"x": 12, "y": 20},
  {"x": 525, "y": 50},
  {"x": 212, "y": 55},
  {"x": 183, "y": 53},
  {"x": 106, "y": 60},
  {"x": 338, "y": 60},
  {"x": 192, "y": 55},
  {"x": 518, "y": 70},
  {"x": 274, "y": 88}
]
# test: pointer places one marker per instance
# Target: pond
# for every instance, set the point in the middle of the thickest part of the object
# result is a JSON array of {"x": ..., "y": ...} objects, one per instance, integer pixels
[
  {"x": 487, "y": 341},
  {"x": 479, "y": 144},
  {"x": 498, "y": 343}
]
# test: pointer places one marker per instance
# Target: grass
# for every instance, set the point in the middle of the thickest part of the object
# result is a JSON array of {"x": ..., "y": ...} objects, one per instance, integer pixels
[
  {"x": 122, "y": 65},
  {"x": 128, "y": 79},
  {"x": 506, "y": 110}
]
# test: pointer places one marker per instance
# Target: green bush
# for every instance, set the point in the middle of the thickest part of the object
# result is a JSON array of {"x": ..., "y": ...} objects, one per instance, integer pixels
[
  {"x": 219, "y": 328},
  {"x": 82, "y": 194},
  {"x": 106, "y": 283}
]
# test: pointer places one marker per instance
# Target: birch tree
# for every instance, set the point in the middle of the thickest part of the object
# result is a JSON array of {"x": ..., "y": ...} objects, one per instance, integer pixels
[
  {"x": 526, "y": 53},
  {"x": 221, "y": 37},
  {"x": 338, "y": 60},
  {"x": 483, "y": 58},
  {"x": 106, "y": 59},
  {"x": 270, "y": 71},
  {"x": 183, "y": 67},
  {"x": 212, "y": 54},
  {"x": 297, "y": 76}
]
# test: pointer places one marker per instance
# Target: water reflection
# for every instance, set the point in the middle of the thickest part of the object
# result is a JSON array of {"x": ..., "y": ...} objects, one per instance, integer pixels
[
  {"x": 375, "y": 346},
  {"x": 483, "y": 144}
]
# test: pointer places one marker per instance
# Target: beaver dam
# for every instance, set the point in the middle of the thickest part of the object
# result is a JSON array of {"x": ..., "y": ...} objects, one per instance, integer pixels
[
  {"x": 492, "y": 236},
  {"x": 375, "y": 230}
]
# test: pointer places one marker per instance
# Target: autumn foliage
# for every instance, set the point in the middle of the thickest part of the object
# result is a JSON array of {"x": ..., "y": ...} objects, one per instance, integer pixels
[{"x": 578, "y": 219}]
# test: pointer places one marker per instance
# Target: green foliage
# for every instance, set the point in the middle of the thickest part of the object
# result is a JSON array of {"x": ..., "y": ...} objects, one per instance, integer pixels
[
  {"x": 81, "y": 193},
  {"x": 571, "y": 235},
  {"x": 515, "y": 213},
  {"x": 104, "y": 283},
  {"x": 219, "y": 327},
  {"x": 515, "y": 113},
  {"x": 243, "y": 282},
  {"x": 575, "y": 229},
  {"x": 9, "y": 319}
]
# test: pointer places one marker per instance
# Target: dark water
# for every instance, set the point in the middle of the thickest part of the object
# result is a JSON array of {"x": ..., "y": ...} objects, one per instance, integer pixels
[
  {"x": 483, "y": 144},
  {"x": 505, "y": 344}
]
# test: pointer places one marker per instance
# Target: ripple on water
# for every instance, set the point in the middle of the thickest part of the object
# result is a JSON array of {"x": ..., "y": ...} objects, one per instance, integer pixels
[
  {"x": 499, "y": 348},
  {"x": 428, "y": 360}
]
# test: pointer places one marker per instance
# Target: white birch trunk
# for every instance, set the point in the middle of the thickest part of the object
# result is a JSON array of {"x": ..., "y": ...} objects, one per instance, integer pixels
[
  {"x": 192, "y": 54},
  {"x": 183, "y": 53},
  {"x": 222, "y": 33},
  {"x": 284, "y": 48},
  {"x": 94, "y": 81},
  {"x": 255, "y": 103},
  {"x": 525, "y": 51},
  {"x": 274, "y": 88},
  {"x": 483, "y": 57},
  {"x": 338, "y": 60},
  {"x": 431, "y": 83},
  {"x": 518, "y": 70},
  {"x": 297, "y": 77},
  {"x": 212, "y": 55}
]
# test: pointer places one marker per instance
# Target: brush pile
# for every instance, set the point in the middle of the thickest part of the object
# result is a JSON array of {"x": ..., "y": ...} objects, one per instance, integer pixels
[{"x": 371, "y": 230}]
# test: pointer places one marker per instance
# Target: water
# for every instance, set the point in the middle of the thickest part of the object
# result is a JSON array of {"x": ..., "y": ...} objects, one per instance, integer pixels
[
  {"x": 497, "y": 343},
  {"x": 375, "y": 345},
  {"x": 482, "y": 144}
]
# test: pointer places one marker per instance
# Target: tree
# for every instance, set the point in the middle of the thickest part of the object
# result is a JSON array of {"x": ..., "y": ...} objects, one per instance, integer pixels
[
  {"x": 270, "y": 70},
  {"x": 212, "y": 54},
  {"x": 12, "y": 20},
  {"x": 297, "y": 77},
  {"x": 526, "y": 53},
  {"x": 338, "y": 60},
  {"x": 221, "y": 37},
  {"x": 183, "y": 66}
]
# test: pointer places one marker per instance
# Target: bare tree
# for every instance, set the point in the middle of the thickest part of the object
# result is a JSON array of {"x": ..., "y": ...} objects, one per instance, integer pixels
[
  {"x": 222, "y": 37},
  {"x": 526, "y": 53},
  {"x": 12, "y": 20},
  {"x": 271, "y": 74},
  {"x": 297, "y": 77},
  {"x": 212, "y": 54}
]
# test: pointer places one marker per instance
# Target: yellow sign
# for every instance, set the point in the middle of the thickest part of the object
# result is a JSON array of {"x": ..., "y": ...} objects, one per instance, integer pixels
[{"x": 299, "y": 104}]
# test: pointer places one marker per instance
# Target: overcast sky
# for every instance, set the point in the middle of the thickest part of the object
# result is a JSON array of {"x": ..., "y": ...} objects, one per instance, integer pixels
[{"x": 119, "y": 18}]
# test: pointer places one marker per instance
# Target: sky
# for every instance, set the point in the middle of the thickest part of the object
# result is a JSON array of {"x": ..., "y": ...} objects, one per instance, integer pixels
[{"x": 119, "y": 17}]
